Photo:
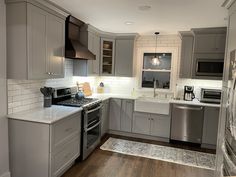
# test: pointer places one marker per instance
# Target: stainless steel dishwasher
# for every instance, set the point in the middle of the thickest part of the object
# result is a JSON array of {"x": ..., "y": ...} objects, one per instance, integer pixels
[{"x": 187, "y": 123}]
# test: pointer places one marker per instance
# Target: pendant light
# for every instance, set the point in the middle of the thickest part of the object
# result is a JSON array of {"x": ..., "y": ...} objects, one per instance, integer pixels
[{"x": 156, "y": 60}]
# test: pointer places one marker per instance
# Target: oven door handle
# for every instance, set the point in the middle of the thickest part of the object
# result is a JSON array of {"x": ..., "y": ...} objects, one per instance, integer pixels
[
  {"x": 92, "y": 110},
  {"x": 88, "y": 129}
]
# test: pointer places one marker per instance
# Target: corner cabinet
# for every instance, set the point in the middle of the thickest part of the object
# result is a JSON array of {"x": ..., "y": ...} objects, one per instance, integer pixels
[
  {"x": 35, "y": 49},
  {"x": 107, "y": 65},
  {"x": 124, "y": 55},
  {"x": 121, "y": 114},
  {"x": 94, "y": 47}
]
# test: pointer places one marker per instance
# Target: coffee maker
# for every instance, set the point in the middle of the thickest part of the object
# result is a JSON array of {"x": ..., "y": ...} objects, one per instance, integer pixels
[{"x": 188, "y": 93}]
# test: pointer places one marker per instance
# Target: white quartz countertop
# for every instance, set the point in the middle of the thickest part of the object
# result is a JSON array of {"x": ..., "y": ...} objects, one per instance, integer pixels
[
  {"x": 45, "y": 115},
  {"x": 195, "y": 102},
  {"x": 106, "y": 96}
]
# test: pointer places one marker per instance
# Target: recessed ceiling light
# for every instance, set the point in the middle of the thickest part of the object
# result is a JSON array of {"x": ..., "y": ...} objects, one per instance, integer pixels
[
  {"x": 129, "y": 23},
  {"x": 144, "y": 8}
]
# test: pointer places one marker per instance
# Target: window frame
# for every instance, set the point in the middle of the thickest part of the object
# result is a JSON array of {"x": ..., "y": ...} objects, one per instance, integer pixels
[{"x": 173, "y": 70}]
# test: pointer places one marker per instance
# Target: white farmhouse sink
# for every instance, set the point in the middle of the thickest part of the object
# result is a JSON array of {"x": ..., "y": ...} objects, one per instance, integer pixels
[{"x": 152, "y": 105}]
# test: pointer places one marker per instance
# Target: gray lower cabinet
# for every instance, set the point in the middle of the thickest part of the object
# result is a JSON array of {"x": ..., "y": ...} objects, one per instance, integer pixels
[
  {"x": 115, "y": 113},
  {"x": 141, "y": 123},
  {"x": 35, "y": 49},
  {"x": 44, "y": 150},
  {"x": 160, "y": 125},
  {"x": 127, "y": 109},
  {"x": 124, "y": 56},
  {"x": 151, "y": 124},
  {"x": 121, "y": 114},
  {"x": 210, "y": 125},
  {"x": 186, "y": 57},
  {"x": 105, "y": 118}
]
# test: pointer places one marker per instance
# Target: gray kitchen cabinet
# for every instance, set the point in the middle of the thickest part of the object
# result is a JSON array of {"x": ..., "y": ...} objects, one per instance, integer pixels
[
  {"x": 35, "y": 49},
  {"x": 141, "y": 123},
  {"x": 107, "y": 60},
  {"x": 124, "y": 56},
  {"x": 160, "y": 125},
  {"x": 209, "y": 40},
  {"x": 151, "y": 124},
  {"x": 94, "y": 47},
  {"x": 105, "y": 118},
  {"x": 186, "y": 54},
  {"x": 210, "y": 125},
  {"x": 47, "y": 150},
  {"x": 127, "y": 109},
  {"x": 115, "y": 114}
]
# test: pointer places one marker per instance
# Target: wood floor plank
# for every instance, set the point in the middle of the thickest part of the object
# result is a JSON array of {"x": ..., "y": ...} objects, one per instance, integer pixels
[{"x": 109, "y": 164}]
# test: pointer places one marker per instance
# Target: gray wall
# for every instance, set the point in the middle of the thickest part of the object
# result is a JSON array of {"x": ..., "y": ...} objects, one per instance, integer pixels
[{"x": 4, "y": 160}]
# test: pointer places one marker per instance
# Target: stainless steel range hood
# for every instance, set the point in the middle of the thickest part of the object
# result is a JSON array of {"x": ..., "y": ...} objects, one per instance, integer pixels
[{"x": 74, "y": 48}]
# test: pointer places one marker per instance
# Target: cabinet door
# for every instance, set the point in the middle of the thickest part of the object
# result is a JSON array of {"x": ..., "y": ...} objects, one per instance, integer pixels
[
  {"x": 107, "y": 62},
  {"x": 105, "y": 117},
  {"x": 141, "y": 123},
  {"x": 124, "y": 57},
  {"x": 210, "y": 125},
  {"x": 114, "y": 117},
  {"x": 55, "y": 45},
  {"x": 127, "y": 109},
  {"x": 37, "y": 43},
  {"x": 186, "y": 57},
  {"x": 220, "y": 42},
  {"x": 205, "y": 43},
  {"x": 160, "y": 125},
  {"x": 94, "y": 47}
]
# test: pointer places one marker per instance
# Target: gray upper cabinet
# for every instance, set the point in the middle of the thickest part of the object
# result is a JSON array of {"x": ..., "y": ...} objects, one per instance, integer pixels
[
  {"x": 94, "y": 47},
  {"x": 210, "y": 125},
  {"x": 124, "y": 56},
  {"x": 107, "y": 62},
  {"x": 35, "y": 48},
  {"x": 209, "y": 40},
  {"x": 186, "y": 54}
]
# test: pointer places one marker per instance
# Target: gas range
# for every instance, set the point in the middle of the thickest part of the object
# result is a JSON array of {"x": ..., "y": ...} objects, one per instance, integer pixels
[
  {"x": 66, "y": 97},
  {"x": 84, "y": 103}
]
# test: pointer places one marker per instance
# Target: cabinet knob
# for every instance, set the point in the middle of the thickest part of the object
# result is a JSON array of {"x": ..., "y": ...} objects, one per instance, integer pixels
[{"x": 48, "y": 73}]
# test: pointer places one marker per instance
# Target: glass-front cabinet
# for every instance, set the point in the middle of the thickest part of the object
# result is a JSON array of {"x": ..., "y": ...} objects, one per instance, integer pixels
[
  {"x": 107, "y": 57},
  {"x": 156, "y": 67}
]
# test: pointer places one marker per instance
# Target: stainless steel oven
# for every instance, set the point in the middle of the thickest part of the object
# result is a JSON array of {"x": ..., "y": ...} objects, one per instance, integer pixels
[{"x": 91, "y": 134}]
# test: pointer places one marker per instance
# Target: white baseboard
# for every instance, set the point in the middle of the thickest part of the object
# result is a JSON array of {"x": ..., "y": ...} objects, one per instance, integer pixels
[{"x": 7, "y": 174}]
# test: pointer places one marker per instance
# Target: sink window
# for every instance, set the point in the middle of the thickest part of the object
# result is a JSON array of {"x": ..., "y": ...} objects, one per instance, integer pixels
[{"x": 156, "y": 67}]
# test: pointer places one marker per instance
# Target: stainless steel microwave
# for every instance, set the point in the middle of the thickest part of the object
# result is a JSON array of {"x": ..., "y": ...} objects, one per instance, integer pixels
[{"x": 209, "y": 67}]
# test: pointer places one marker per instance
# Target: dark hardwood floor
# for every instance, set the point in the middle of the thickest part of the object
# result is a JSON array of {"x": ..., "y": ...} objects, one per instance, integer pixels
[{"x": 109, "y": 164}]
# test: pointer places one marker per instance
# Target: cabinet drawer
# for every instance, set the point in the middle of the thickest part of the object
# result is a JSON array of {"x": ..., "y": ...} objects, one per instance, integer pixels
[
  {"x": 64, "y": 129},
  {"x": 65, "y": 155}
]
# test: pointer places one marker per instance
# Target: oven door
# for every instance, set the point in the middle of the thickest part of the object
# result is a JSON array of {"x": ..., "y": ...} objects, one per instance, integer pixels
[{"x": 92, "y": 130}]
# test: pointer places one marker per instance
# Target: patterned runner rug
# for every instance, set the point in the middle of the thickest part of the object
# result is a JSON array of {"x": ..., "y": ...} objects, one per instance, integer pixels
[{"x": 157, "y": 152}]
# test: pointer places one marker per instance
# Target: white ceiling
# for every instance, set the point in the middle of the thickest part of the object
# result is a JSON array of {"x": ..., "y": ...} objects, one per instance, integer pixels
[{"x": 166, "y": 16}]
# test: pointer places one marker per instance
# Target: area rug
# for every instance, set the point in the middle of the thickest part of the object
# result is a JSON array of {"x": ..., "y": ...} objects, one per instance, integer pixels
[{"x": 164, "y": 153}]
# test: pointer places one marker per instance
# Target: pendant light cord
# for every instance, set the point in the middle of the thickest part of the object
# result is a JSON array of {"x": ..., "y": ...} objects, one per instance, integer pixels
[{"x": 156, "y": 33}]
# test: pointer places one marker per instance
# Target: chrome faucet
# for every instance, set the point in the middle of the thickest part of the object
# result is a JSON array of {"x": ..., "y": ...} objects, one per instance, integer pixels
[{"x": 154, "y": 88}]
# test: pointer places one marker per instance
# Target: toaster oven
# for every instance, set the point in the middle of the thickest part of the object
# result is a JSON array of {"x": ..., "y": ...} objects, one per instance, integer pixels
[{"x": 210, "y": 95}]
